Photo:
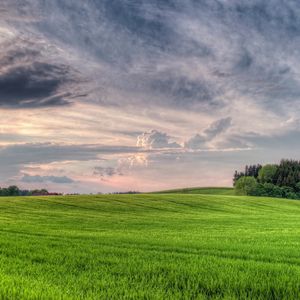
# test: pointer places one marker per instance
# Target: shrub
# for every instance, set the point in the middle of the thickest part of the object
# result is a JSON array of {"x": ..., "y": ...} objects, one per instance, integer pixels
[
  {"x": 245, "y": 185},
  {"x": 267, "y": 174},
  {"x": 297, "y": 187},
  {"x": 287, "y": 192},
  {"x": 267, "y": 190}
]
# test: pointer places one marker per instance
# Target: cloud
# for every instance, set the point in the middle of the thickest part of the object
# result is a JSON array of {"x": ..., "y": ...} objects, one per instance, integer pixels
[
  {"x": 155, "y": 140},
  {"x": 169, "y": 65},
  {"x": 14, "y": 157},
  {"x": 183, "y": 55},
  {"x": 235, "y": 143},
  {"x": 182, "y": 91},
  {"x": 33, "y": 75},
  {"x": 106, "y": 171},
  {"x": 33, "y": 85},
  {"x": 136, "y": 161},
  {"x": 216, "y": 128},
  {"x": 41, "y": 179},
  {"x": 49, "y": 152},
  {"x": 13, "y": 55},
  {"x": 196, "y": 142}
]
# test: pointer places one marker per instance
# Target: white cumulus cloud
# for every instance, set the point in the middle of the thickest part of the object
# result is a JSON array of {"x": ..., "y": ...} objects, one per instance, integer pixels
[{"x": 156, "y": 140}]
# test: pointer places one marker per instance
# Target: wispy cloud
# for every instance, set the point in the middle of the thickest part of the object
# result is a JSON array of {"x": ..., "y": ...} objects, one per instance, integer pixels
[
  {"x": 185, "y": 77},
  {"x": 200, "y": 141},
  {"x": 41, "y": 179}
]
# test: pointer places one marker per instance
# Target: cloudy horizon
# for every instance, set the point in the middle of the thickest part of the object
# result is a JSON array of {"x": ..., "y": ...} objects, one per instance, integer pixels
[{"x": 103, "y": 96}]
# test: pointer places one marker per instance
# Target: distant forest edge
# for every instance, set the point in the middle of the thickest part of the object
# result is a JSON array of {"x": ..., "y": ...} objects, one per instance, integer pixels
[
  {"x": 15, "y": 191},
  {"x": 272, "y": 180}
]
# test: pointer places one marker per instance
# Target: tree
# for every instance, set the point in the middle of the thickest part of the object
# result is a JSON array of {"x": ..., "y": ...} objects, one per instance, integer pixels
[
  {"x": 245, "y": 185},
  {"x": 13, "y": 190},
  {"x": 274, "y": 180},
  {"x": 236, "y": 176},
  {"x": 288, "y": 173},
  {"x": 267, "y": 174},
  {"x": 297, "y": 188},
  {"x": 251, "y": 170}
]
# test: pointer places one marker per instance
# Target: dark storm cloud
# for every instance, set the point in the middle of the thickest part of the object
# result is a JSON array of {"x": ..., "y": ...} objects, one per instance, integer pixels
[
  {"x": 124, "y": 34},
  {"x": 31, "y": 78},
  {"x": 240, "y": 47},
  {"x": 33, "y": 85}
]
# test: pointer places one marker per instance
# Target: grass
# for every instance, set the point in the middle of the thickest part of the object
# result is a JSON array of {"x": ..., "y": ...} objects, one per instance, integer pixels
[
  {"x": 169, "y": 246},
  {"x": 202, "y": 190}
]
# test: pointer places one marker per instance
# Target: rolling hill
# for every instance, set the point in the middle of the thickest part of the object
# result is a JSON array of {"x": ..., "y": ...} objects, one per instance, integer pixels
[
  {"x": 201, "y": 190},
  {"x": 154, "y": 246}
]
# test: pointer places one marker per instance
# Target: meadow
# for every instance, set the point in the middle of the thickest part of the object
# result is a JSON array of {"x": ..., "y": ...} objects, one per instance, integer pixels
[
  {"x": 151, "y": 246},
  {"x": 201, "y": 190}
]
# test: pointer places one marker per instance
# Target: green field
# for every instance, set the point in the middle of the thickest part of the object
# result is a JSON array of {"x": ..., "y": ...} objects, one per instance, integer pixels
[
  {"x": 202, "y": 190},
  {"x": 170, "y": 246}
]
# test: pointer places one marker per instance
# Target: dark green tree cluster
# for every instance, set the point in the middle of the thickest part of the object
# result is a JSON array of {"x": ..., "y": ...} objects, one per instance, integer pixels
[
  {"x": 251, "y": 170},
  {"x": 15, "y": 191},
  {"x": 273, "y": 180},
  {"x": 10, "y": 191}
]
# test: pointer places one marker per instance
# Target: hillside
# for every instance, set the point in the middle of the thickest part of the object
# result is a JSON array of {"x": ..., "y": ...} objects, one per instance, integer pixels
[
  {"x": 153, "y": 246},
  {"x": 201, "y": 190}
]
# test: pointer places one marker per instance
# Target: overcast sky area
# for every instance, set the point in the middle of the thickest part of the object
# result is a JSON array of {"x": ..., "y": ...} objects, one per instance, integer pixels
[{"x": 118, "y": 95}]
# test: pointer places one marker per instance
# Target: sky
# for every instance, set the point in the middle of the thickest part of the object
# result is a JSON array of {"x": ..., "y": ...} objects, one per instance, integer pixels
[{"x": 118, "y": 95}]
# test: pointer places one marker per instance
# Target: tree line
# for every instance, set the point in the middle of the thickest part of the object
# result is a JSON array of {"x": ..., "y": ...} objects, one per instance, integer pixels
[
  {"x": 275, "y": 180},
  {"x": 13, "y": 190}
]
